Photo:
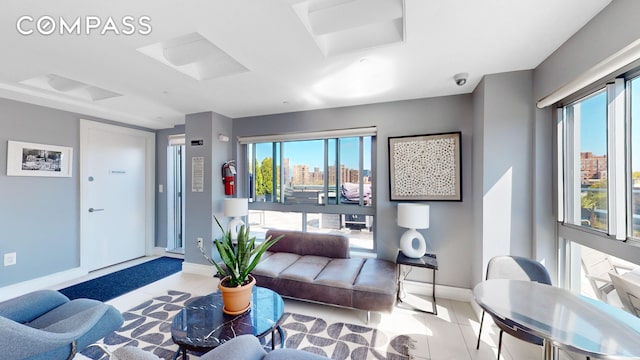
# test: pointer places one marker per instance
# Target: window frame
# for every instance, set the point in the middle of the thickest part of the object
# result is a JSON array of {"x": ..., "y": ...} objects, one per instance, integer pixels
[
  {"x": 619, "y": 212},
  {"x": 619, "y": 240},
  {"x": 326, "y": 207}
]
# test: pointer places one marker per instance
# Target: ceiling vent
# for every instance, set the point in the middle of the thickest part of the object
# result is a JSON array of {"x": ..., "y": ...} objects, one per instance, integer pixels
[
  {"x": 194, "y": 55},
  {"x": 341, "y": 26},
  {"x": 73, "y": 88}
]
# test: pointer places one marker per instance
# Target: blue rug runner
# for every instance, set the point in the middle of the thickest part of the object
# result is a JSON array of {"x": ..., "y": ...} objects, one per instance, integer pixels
[{"x": 120, "y": 282}]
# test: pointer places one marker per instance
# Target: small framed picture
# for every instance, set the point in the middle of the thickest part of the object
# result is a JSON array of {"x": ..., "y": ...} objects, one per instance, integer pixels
[
  {"x": 425, "y": 167},
  {"x": 29, "y": 159}
]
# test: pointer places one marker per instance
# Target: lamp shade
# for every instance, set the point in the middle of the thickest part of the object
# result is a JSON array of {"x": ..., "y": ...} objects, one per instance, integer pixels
[
  {"x": 413, "y": 216},
  {"x": 236, "y": 207}
]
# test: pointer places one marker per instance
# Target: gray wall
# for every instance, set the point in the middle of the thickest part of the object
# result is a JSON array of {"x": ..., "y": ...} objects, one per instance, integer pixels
[
  {"x": 477, "y": 261},
  {"x": 451, "y": 222},
  {"x": 200, "y": 206},
  {"x": 39, "y": 216},
  {"x": 611, "y": 30},
  {"x": 503, "y": 169}
]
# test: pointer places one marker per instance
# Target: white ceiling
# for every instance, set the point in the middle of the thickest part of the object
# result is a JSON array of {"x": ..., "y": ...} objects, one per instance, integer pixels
[{"x": 287, "y": 68}]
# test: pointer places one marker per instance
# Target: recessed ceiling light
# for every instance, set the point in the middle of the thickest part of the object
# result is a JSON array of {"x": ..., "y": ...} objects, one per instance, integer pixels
[
  {"x": 342, "y": 26},
  {"x": 70, "y": 87},
  {"x": 194, "y": 55}
]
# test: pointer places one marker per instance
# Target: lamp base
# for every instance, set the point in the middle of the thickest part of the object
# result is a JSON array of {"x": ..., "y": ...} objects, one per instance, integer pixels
[
  {"x": 234, "y": 227},
  {"x": 406, "y": 244}
]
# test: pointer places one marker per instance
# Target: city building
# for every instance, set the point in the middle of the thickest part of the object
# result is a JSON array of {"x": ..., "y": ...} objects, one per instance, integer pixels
[{"x": 593, "y": 168}]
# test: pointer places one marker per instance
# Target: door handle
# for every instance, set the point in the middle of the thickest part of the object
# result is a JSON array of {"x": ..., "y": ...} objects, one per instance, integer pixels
[{"x": 93, "y": 210}]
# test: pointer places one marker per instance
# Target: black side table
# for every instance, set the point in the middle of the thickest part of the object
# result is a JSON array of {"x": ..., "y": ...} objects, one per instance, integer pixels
[{"x": 429, "y": 261}]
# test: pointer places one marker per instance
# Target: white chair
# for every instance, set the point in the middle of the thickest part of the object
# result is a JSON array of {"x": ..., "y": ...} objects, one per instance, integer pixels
[
  {"x": 628, "y": 288},
  {"x": 597, "y": 265}
]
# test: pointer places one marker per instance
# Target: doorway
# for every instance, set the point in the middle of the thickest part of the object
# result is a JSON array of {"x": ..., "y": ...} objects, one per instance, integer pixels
[
  {"x": 117, "y": 197},
  {"x": 176, "y": 178}
]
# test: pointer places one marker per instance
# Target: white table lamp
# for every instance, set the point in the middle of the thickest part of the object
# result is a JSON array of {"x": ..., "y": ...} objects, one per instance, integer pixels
[
  {"x": 413, "y": 216},
  {"x": 235, "y": 208}
]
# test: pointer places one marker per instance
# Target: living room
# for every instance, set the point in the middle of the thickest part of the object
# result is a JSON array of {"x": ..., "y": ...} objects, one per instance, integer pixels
[{"x": 508, "y": 162}]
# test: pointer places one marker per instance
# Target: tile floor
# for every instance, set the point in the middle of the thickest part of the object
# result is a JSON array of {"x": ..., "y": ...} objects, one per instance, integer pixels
[{"x": 452, "y": 334}]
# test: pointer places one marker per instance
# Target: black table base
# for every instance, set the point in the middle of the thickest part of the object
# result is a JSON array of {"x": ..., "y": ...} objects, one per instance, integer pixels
[{"x": 429, "y": 261}]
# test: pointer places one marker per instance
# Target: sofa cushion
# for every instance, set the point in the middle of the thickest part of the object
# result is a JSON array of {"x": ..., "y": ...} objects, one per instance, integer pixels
[
  {"x": 275, "y": 264},
  {"x": 378, "y": 276},
  {"x": 340, "y": 273},
  {"x": 376, "y": 287},
  {"x": 306, "y": 268}
]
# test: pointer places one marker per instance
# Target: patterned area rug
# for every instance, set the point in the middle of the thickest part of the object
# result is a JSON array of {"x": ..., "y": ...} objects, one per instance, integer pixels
[
  {"x": 148, "y": 325},
  {"x": 341, "y": 341}
]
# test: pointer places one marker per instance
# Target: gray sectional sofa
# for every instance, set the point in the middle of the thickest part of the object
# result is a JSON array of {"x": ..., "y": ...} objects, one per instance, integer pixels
[
  {"x": 317, "y": 267},
  {"x": 243, "y": 347}
]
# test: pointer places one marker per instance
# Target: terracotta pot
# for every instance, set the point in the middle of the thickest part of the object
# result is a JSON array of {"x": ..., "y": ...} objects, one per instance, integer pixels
[{"x": 236, "y": 299}]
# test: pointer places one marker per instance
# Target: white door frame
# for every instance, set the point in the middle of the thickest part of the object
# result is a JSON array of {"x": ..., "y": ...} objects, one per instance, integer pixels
[{"x": 150, "y": 161}]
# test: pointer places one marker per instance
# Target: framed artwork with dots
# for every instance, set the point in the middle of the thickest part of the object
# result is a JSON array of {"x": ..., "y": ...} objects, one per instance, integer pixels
[{"x": 425, "y": 167}]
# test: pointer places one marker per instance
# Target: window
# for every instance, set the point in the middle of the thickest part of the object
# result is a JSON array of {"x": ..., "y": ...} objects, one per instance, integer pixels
[
  {"x": 599, "y": 185},
  {"x": 176, "y": 179},
  {"x": 586, "y": 159},
  {"x": 320, "y": 183},
  {"x": 634, "y": 183}
]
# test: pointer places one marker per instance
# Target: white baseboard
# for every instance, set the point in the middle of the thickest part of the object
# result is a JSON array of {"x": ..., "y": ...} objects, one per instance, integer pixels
[
  {"x": 442, "y": 291},
  {"x": 198, "y": 269},
  {"x": 11, "y": 291},
  {"x": 476, "y": 308},
  {"x": 158, "y": 251}
]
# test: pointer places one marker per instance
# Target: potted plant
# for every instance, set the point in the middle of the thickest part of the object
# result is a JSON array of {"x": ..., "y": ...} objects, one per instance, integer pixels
[{"x": 238, "y": 260}]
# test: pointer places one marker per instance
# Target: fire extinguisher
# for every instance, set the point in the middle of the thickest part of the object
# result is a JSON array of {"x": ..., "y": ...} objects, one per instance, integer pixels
[{"x": 228, "y": 177}]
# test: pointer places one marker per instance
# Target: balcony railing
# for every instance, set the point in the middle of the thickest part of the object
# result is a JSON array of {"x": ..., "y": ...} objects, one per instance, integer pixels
[{"x": 601, "y": 215}]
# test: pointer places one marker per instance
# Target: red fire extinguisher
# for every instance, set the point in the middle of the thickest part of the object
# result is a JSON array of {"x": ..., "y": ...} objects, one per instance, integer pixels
[{"x": 228, "y": 177}]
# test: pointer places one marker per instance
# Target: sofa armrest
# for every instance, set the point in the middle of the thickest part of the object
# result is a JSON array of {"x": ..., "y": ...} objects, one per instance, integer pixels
[
  {"x": 30, "y": 306},
  {"x": 55, "y": 329},
  {"x": 22, "y": 341},
  {"x": 245, "y": 347}
]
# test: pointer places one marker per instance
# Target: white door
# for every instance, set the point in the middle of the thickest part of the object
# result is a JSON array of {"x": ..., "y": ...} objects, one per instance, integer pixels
[{"x": 115, "y": 203}]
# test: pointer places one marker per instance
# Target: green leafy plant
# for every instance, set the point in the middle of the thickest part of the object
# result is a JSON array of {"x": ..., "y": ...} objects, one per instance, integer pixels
[{"x": 241, "y": 258}]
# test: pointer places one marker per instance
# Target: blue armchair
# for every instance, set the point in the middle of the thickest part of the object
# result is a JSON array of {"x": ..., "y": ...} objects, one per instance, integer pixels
[{"x": 45, "y": 324}]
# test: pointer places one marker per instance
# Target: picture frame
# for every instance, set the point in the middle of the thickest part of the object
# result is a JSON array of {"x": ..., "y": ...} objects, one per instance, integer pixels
[
  {"x": 425, "y": 167},
  {"x": 31, "y": 159}
]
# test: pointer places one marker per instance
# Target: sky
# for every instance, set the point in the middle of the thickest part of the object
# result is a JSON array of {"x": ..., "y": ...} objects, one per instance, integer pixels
[
  {"x": 311, "y": 152},
  {"x": 593, "y": 126}
]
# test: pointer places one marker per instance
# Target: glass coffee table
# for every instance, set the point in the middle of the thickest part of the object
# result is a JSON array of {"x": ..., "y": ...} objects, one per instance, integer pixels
[{"x": 202, "y": 326}]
